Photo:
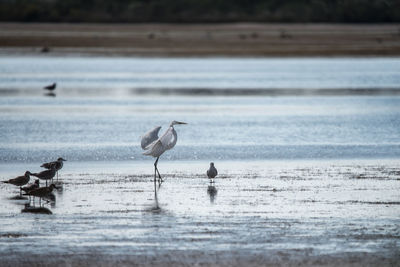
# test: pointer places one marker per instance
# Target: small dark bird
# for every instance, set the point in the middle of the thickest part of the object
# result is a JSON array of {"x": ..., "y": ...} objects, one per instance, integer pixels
[
  {"x": 50, "y": 87},
  {"x": 31, "y": 187},
  {"x": 58, "y": 165},
  {"x": 20, "y": 180},
  {"x": 46, "y": 175},
  {"x": 212, "y": 172},
  {"x": 41, "y": 192}
]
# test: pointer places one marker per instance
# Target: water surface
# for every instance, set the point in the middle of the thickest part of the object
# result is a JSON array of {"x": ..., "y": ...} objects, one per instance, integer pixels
[
  {"x": 242, "y": 73},
  {"x": 302, "y": 180}
]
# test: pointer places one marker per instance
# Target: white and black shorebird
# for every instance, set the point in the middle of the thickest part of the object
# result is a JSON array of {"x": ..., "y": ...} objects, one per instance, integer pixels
[
  {"x": 50, "y": 87},
  {"x": 155, "y": 146},
  {"x": 212, "y": 172},
  {"x": 58, "y": 165},
  {"x": 47, "y": 174},
  {"x": 20, "y": 180}
]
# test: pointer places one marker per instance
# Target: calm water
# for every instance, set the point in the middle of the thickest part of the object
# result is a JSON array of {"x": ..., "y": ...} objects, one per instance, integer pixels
[
  {"x": 95, "y": 115},
  {"x": 308, "y": 179},
  {"x": 35, "y": 129},
  {"x": 122, "y": 73}
]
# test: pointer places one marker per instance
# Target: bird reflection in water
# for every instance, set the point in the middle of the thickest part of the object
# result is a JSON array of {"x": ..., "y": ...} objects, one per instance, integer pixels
[
  {"x": 33, "y": 209},
  {"x": 51, "y": 198},
  {"x": 212, "y": 192},
  {"x": 44, "y": 193},
  {"x": 50, "y": 94}
]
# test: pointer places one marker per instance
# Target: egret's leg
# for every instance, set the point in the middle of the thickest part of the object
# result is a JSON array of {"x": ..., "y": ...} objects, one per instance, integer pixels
[
  {"x": 160, "y": 180},
  {"x": 155, "y": 178},
  {"x": 155, "y": 184}
]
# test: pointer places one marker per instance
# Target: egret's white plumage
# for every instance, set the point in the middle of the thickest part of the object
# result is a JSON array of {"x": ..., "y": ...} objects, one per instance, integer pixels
[
  {"x": 150, "y": 137},
  {"x": 155, "y": 146}
]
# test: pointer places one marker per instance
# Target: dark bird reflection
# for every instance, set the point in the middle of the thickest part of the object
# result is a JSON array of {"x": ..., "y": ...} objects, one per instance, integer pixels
[
  {"x": 50, "y": 94},
  {"x": 51, "y": 197},
  {"x": 212, "y": 192},
  {"x": 18, "y": 197},
  {"x": 33, "y": 209}
]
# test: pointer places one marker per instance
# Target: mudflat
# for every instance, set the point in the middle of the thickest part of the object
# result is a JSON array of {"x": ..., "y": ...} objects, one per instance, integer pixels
[
  {"x": 257, "y": 213},
  {"x": 238, "y": 39}
]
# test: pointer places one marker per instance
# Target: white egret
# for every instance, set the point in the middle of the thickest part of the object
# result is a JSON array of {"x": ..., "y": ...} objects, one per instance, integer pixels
[{"x": 155, "y": 146}]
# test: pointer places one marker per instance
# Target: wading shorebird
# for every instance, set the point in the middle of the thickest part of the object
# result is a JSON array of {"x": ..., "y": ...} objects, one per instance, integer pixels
[
  {"x": 20, "y": 180},
  {"x": 41, "y": 192},
  {"x": 212, "y": 172},
  {"x": 50, "y": 87},
  {"x": 46, "y": 175},
  {"x": 31, "y": 187},
  {"x": 58, "y": 165},
  {"x": 156, "y": 146}
]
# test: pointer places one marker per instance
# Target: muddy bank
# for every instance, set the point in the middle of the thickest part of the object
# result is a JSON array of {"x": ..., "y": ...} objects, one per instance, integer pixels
[
  {"x": 195, "y": 258},
  {"x": 243, "y": 39}
]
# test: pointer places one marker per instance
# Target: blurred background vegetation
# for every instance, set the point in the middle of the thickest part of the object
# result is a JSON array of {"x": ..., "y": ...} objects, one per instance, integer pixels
[{"x": 196, "y": 11}]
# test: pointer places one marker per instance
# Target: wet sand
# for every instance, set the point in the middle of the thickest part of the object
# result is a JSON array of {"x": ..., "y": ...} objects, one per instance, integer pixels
[
  {"x": 263, "y": 213},
  {"x": 242, "y": 39}
]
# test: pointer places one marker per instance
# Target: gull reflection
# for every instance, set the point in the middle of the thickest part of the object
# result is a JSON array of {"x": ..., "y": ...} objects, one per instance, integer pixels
[
  {"x": 50, "y": 94},
  {"x": 212, "y": 192},
  {"x": 33, "y": 209}
]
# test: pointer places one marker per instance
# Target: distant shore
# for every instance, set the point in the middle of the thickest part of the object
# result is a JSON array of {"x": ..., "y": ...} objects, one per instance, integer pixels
[{"x": 236, "y": 39}]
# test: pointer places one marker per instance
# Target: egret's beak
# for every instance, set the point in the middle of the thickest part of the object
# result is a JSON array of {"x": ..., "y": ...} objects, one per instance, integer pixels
[
  {"x": 64, "y": 160},
  {"x": 179, "y": 122}
]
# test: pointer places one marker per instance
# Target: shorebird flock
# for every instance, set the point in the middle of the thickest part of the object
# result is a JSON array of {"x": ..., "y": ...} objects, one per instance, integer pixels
[
  {"x": 153, "y": 145},
  {"x": 34, "y": 190}
]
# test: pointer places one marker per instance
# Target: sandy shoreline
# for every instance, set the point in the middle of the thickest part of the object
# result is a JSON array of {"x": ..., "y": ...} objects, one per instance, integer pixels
[{"x": 243, "y": 39}]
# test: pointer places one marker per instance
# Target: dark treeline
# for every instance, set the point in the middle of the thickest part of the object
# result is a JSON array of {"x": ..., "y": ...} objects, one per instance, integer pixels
[{"x": 192, "y": 11}]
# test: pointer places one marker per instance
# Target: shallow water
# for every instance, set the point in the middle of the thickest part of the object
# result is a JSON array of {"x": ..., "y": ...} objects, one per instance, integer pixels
[
  {"x": 32, "y": 73},
  {"x": 95, "y": 115},
  {"x": 297, "y": 209},
  {"x": 306, "y": 180},
  {"x": 35, "y": 129}
]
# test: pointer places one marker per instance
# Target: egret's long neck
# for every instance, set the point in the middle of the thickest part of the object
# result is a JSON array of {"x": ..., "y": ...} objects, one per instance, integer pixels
[
  {"x": 175, "y": 135},
  {"x": 173, "y": 143}
]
